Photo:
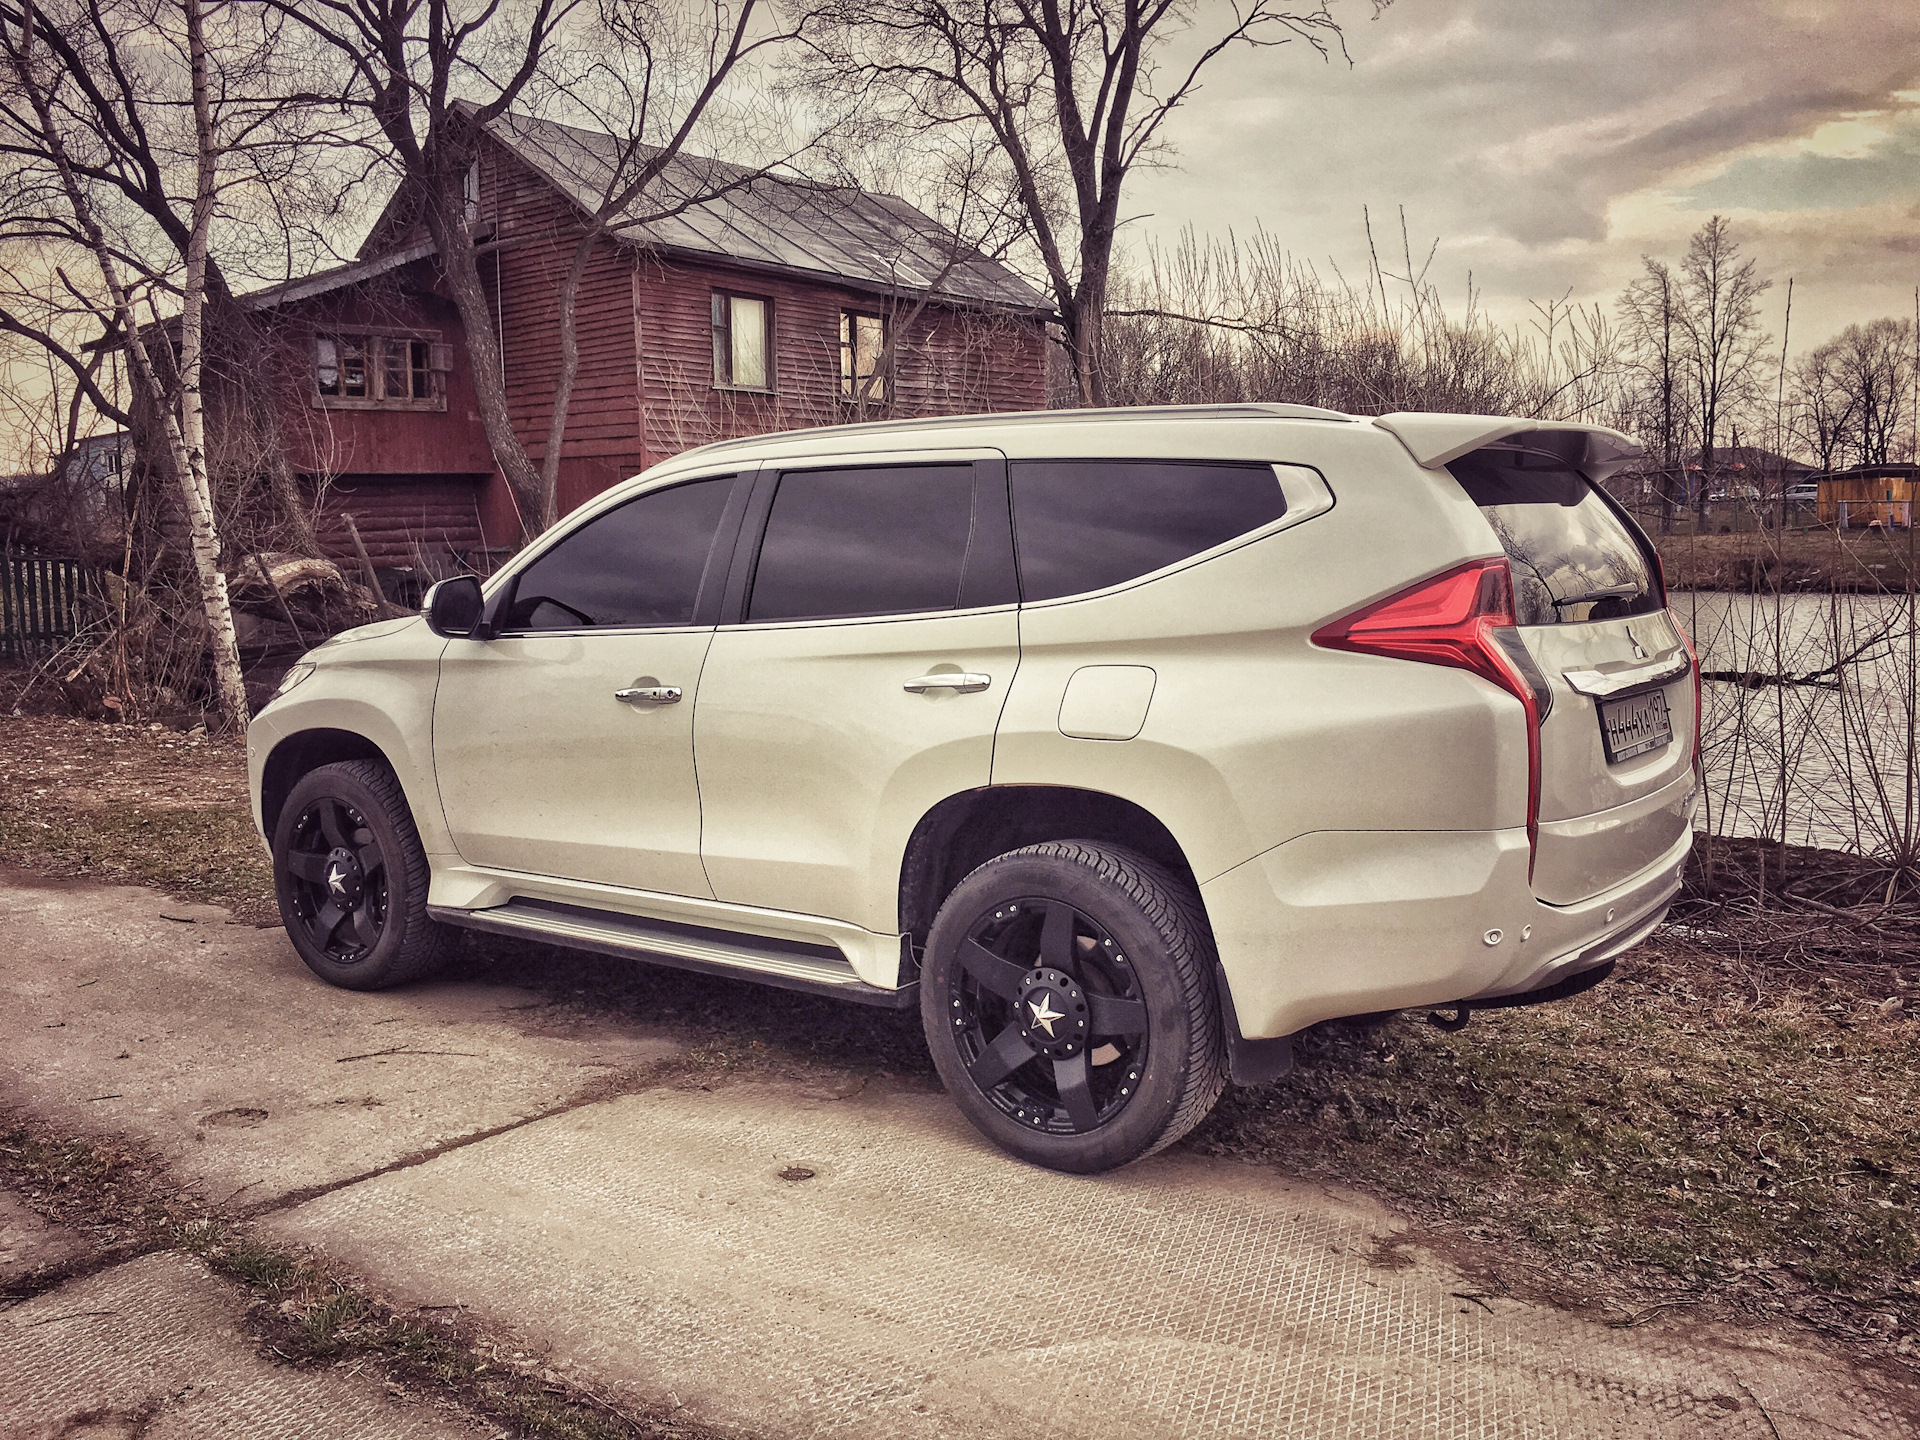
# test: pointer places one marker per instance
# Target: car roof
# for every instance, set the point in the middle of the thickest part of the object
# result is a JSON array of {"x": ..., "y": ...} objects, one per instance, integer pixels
[{"x": 1431, "y": 439}]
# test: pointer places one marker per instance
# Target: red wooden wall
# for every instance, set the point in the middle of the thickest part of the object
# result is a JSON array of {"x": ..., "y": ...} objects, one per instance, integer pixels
[
  {"x": 338, "y": 441},
  {"x": 645, "y": 385}
]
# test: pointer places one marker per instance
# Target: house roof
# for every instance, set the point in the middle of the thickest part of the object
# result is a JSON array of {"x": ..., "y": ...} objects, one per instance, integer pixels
[
  {"x": 338, "y": 278},
  {"x": 705, "y": 207}
]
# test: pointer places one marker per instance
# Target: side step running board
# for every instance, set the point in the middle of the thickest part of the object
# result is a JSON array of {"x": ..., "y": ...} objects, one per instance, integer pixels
[{"x": 791, "y": 965}]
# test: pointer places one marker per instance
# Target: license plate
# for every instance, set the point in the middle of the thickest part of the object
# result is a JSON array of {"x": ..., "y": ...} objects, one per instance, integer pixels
[{"x": 1634, "y": 725}]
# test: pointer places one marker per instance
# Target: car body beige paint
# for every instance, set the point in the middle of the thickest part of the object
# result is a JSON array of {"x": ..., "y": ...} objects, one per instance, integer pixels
[
  {"x": 376, "y": 682},
  {"x": 816, "y": 763},
  {"x": 543, "y": 770},
  {"x": 1344, "y": 867}
]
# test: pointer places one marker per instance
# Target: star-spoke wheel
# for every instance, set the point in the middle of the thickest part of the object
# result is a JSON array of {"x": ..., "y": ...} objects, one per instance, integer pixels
[
  {"x": 1068, "y": 999},
  {"x": 352, "y": 877},
  {"x": 337, "y": 877},
  {"x": 1049, "y": 1016}
]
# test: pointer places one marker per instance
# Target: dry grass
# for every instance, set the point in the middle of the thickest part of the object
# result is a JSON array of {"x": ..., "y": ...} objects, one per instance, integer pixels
[
  {"x": 1794, "y": 562},
  {"x": 306, "y": 1312},
  {"x": 133, "y": 803},
  {"x": 1725, "y": 1124}
]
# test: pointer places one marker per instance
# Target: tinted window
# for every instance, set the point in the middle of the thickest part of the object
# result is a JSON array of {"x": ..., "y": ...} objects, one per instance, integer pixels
[
  {"x": 639, "y": 564},
  {"x": 865, "y": 542},
  {"x": 1573, "y": 557},
  {"x": 1085, "y": 524}
]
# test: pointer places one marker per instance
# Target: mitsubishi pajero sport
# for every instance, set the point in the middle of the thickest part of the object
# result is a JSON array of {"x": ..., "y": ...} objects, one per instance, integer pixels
[{"x": 1124, "y": 744}]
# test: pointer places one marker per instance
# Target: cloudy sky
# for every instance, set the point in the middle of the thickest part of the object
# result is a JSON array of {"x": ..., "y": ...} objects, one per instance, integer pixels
[{"x": 1547, "y": 144}]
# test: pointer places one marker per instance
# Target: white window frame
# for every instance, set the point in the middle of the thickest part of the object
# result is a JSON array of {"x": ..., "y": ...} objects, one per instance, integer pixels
[{"x": 724, "y": 347}]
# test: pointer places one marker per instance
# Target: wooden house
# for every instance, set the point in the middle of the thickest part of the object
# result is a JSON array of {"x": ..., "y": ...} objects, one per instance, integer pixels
[
  {"x": 736, "y": 303},
  {"x": 1869, "y": 495}
]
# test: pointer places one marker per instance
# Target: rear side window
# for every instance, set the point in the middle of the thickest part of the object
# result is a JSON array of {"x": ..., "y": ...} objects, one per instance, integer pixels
[
  {"x": 1573, "y": 558},
  {"x": 637, "y": 565},
  {"x": 1083, "y": 525},
  {"x": 887, "y": 540}
]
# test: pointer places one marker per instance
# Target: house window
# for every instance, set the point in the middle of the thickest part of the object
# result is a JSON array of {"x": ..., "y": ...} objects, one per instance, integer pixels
[
  {"x": 863, "y": 356},
  {"x": 380, "y": 371},
  {"x": 741, "y": 342}
]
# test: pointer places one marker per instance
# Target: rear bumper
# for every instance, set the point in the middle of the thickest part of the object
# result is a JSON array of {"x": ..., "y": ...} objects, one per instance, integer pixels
[{"x": 1350, "y": 922}]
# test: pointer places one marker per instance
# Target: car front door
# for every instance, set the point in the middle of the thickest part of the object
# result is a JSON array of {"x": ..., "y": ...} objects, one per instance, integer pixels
[
  {"x": 855, "y": 680},
  {"x": 564, "y": 745}
]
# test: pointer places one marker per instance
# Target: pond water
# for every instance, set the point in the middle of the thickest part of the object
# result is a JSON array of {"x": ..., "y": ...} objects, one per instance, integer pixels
[{"x": 1835, "y": 762}]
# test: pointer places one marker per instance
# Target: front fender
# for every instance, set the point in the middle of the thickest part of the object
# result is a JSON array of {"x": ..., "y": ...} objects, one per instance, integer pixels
[{"x": 382, "y": 697}]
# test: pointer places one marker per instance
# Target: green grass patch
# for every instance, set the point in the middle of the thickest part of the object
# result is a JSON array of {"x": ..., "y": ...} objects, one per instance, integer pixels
[{"x": 206, "y": 853}]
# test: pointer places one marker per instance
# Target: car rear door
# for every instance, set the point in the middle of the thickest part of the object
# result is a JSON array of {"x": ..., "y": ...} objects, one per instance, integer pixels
[
  {"x": 1616, "y": 746},
  {"x": 870, "y": 640}
]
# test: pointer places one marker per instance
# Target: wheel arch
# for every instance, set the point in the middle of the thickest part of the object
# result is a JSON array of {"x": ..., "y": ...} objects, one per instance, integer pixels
[
  {"x": 966, "y": 830},
  {"x": 301, "y": 753}
]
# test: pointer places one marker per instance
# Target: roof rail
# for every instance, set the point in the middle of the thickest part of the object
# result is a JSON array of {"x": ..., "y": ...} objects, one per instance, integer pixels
[{"x": 1249, "y": 410}]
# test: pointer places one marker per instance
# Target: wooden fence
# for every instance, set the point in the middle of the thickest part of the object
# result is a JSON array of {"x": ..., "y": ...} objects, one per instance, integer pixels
[{"x": 39, "y": 603}]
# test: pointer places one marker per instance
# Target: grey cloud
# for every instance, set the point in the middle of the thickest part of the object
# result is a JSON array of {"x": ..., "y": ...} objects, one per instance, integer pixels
[
  {"x": 1510, "y": 127},
  {"x": 1802, "y": 181}
]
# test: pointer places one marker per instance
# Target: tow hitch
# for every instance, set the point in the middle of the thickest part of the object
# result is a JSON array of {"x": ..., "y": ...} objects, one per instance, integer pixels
[{"x": 1546, "y": 994}]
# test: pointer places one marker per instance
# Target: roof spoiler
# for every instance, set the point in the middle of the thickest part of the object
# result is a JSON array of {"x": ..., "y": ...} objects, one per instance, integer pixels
[{"x": 1434, "y": 440}]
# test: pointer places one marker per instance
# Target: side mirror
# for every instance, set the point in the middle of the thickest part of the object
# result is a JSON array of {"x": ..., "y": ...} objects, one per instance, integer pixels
[{"x": 453, "y": 607}]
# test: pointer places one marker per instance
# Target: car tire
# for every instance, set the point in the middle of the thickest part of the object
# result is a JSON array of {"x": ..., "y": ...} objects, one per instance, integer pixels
[
  {"x": 351, "y": 877},
  {"x": 1068, "y": 999}
]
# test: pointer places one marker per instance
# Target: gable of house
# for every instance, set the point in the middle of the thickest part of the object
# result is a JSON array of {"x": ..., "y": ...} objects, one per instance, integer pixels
[{"x": 663, "y": 316}]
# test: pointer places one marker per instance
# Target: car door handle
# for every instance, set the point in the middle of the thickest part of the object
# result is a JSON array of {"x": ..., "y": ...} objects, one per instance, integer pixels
[
  {"x": 649, "y": 695},
  {"x": 950, "y": 680}
]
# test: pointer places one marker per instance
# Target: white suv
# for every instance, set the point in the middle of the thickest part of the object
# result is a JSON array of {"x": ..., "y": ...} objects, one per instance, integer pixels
[{"x": 1125, "y": 744}]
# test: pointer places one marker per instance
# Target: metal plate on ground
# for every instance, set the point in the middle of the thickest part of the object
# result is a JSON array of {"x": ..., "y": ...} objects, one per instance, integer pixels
[{"x": 914, "y": 1284}]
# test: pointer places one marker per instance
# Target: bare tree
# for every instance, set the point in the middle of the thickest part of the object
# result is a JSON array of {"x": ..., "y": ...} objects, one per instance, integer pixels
[
  {"x": 1872, "y": 366},
  {"x": 1824, "y": 416},
  {"x": 1233, "y": 320},
  {"x": 1069, "y": 90},
  {"x": 432, "y": 75},
  {"x": 401, "y": 64},
  {"x": 44, "y": 130},
  {"x": 651, "y": 93},
  {"x": 1726, "y": 347},
  {"x": 1655, "y": 343}
]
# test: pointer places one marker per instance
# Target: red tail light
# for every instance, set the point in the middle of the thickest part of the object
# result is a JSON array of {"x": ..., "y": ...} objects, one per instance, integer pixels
[
  {"x": 1463, "y": 619},
  {"x": 1694, "y": 656}
]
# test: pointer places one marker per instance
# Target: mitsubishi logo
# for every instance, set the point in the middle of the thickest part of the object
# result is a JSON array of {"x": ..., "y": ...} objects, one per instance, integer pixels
[{"x": 1044, "y": 1014}]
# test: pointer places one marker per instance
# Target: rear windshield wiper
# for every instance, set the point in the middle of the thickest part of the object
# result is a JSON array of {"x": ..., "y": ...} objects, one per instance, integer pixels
[{"x": 1612, "y": 592}]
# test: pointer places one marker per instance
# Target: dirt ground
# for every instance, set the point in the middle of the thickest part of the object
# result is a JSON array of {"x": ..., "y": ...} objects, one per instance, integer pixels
[
  {"x": 512, "y": 1203},
  {"x": 1722, "y": 1130}
]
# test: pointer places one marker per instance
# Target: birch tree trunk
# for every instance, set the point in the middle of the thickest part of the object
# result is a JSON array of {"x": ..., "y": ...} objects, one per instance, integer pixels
[
  {"x": 188, "y": 466},
  {"x": 195, "y": 487}
]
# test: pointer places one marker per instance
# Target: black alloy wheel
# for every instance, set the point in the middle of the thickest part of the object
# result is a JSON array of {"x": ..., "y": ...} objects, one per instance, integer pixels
[
  {"x": 351, "y": 877},
  {"x": 1068, "y": 1000},
  {"x": 337, "y": 880},
  {"x": 1049, "y": 1016}
]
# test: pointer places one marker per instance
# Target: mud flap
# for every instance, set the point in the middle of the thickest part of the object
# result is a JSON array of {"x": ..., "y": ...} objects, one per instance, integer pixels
[{"x": 1250, "y": 1062}]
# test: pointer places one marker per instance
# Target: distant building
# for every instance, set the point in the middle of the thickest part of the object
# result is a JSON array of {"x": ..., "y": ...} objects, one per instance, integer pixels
[
  {"x": 766, "y": 308},
  {"x": 1868, "y": 495}
]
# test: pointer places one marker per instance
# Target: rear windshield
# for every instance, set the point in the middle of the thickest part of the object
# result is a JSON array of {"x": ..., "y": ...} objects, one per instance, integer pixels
[{"x": 1574, "y": 559}]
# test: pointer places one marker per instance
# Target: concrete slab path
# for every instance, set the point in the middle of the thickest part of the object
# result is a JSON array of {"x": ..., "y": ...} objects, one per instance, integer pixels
[
  {"x": 670, "y": 1242},
  {"x": 155, "y": 1349}
]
